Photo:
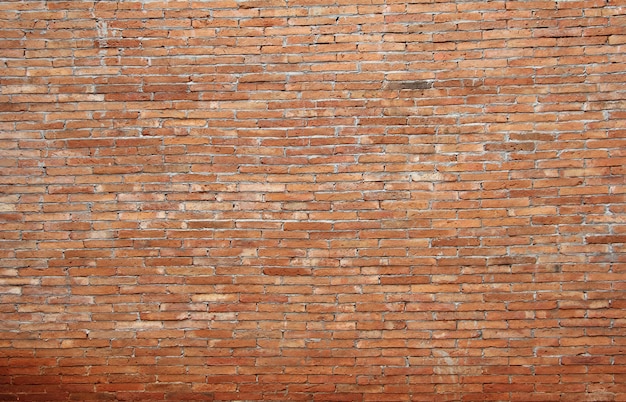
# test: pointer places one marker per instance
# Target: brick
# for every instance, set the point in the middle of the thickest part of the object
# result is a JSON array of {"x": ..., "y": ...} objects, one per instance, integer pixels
[{"x": 342, "y": 201}]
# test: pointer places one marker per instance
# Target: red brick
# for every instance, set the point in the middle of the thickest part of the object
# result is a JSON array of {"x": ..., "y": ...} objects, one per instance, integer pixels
[{"x": 288, "y": 200}]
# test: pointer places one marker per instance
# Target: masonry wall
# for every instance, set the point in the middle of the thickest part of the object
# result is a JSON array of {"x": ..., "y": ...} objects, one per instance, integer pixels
[{"x": 313, "y": 200}]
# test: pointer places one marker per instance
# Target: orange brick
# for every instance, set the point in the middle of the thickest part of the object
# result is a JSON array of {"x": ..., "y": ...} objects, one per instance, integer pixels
[{"x": 271, "y": 200}]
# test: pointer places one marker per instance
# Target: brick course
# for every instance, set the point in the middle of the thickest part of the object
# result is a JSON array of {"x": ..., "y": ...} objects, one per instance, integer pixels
[{"x": 313, "y": 200}]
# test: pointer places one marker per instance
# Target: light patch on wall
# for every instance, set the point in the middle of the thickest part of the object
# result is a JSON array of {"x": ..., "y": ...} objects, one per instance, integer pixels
[
  {"x": 103, "y": 30},
  {"x": 426, "y": 176}
]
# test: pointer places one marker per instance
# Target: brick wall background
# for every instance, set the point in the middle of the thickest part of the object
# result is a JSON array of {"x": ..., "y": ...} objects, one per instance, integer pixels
[{"x": 313, "y": 200}]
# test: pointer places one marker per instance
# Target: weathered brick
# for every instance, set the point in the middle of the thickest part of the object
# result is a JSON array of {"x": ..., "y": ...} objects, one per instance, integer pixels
[{"x": 307, "y": 200}]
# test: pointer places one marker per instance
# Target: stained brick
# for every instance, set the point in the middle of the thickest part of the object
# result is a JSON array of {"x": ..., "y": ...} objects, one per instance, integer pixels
[{"x": 312, "y": 200}]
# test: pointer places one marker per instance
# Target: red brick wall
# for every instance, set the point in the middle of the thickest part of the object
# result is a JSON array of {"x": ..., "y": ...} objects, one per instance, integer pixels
[{"x": 313, "y": 200}]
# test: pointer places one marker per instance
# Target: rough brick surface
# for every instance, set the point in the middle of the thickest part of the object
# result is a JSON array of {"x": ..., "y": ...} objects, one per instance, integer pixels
[{"x": 313, "y": 200}]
